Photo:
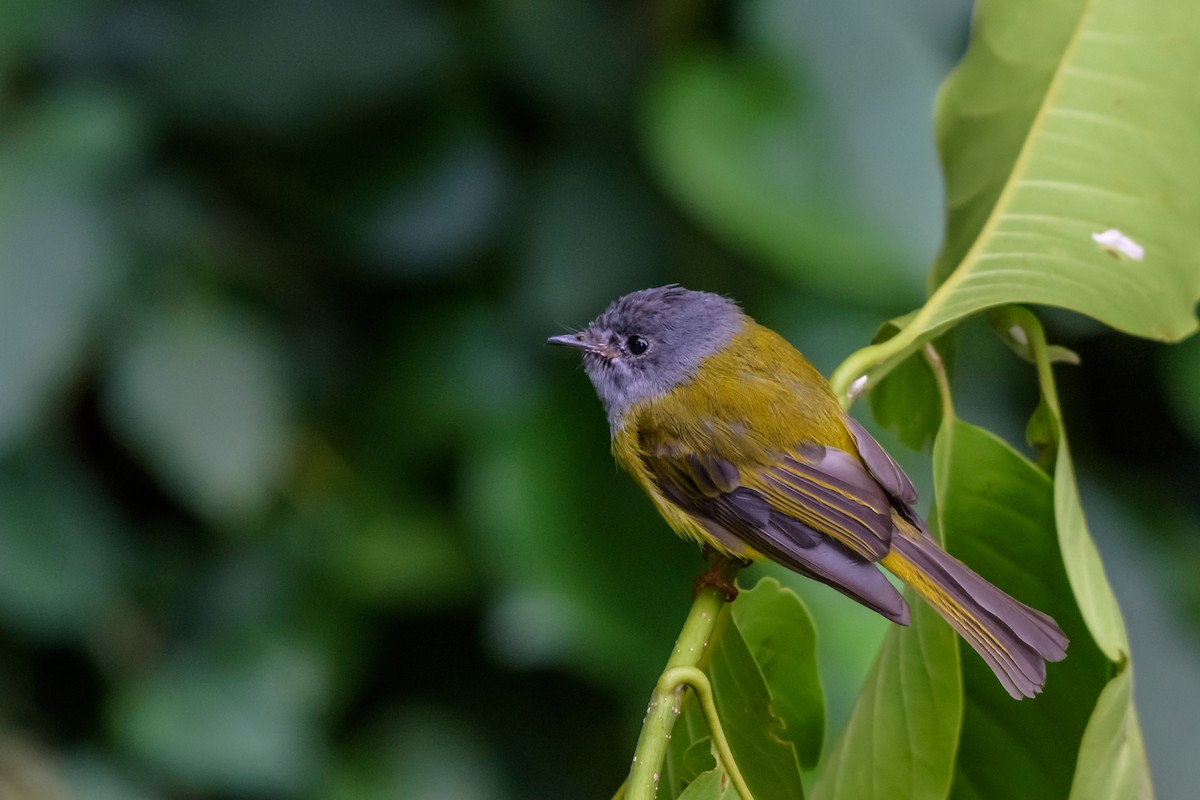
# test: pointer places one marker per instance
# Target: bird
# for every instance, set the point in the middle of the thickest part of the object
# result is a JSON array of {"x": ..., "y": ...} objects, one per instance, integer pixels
[{"x": 743, "y": 447}]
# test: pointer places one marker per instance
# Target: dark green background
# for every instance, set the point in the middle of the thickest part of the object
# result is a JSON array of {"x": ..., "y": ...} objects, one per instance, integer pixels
[{"x": 293, "y": 500}]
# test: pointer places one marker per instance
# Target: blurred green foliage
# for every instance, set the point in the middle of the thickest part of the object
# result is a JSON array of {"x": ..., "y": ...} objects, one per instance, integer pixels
[{"x": 293, "y": 503}]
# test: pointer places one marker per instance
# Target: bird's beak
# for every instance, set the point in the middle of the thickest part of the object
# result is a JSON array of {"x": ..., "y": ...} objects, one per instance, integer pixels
[
  {"x": 587, "y": 341},
  {"x": 577, "y": 340}
]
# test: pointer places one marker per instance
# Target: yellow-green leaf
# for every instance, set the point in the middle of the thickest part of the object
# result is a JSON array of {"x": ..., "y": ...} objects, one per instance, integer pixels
[{"x": 1069, "y": 127}]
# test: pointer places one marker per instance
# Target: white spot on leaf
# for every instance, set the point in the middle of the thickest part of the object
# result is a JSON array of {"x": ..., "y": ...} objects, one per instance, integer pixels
[{"x": 1116, "y": 243}]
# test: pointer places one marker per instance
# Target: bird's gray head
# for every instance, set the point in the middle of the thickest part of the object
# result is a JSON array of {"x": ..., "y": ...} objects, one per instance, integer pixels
[{"x": 648, "y": 342}]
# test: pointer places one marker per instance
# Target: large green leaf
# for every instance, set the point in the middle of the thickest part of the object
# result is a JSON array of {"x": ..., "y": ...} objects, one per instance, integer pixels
[
  {"x": 756, "y": 737},
  {"x": 997, "y": 513},
  {"x": 781, "y": 637},
  {"x": 902, "y": 735},
  {"x": 1051, "y": 133},
  {"x": 1087, "y": 120}
]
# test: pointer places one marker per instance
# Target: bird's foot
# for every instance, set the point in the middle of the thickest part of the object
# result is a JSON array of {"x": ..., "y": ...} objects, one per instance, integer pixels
[{"x": 720, "y": 574}]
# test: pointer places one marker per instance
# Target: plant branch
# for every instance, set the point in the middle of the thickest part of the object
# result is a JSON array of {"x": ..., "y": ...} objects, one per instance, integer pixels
[{"x": 682, "y": 670}]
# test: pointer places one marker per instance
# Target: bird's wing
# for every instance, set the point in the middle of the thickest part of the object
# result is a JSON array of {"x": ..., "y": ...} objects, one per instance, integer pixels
[
  {"x": 881, "y": 465},
  {"x": 815, "y": 509},
  {"x": 826, "y": 489}
]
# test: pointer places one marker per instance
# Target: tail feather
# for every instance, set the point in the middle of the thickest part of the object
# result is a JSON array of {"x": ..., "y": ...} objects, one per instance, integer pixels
[{"x": 1014, "y": 639}]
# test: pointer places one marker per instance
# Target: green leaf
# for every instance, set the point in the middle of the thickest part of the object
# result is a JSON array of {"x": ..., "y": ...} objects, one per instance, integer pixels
[
  {"x": 62, "y": 560},
  {"x": 61, "y": 260},
  {"x": 244, "y": 723},
  {"x": 423, "y": 752},
  {"x": 1053, "y": 133},
  {"x": 411, "y": 229},
  {"x": 58, "y": 266},
  {"x": 1041, "y": 433},
  {"x": 765, "y": 757},
  {"x": 724, "y": 135},
  {"x": 379, "y": 546},
  {"x": 1112, "y": 760},
  {"x": 199, "y": 392},
  {"x": 907, "y": 402},
  {"x": 559, "y": 600},
  {"x": 1082, "y": 559},
  {"x": 99, "y": 777},
  {"x": 807, "y": 143},
  {"x": 997, "y": 515},
  {"x": 1084, "y": 567},
  {"x": 901, "y": 737},
  {"x": 712, "y": 785},
  {"x": 292, "y": 59},
  {"x": 689, "y": 751},
  {"x": 698, "y": 758},
  {"x": 780, "y": 633}
]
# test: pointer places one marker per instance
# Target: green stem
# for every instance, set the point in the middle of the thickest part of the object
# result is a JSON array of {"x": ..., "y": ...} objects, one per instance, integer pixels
[
  {"x": 938, "y": 367},
  {"x": 699, "y": 682},
  {"x": 694, "y": 640},
  {"x": 864, "y": 368}
]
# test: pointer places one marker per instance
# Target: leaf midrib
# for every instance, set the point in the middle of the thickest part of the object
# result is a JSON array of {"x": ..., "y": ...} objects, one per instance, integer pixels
[{"x": 920, "y": 321}]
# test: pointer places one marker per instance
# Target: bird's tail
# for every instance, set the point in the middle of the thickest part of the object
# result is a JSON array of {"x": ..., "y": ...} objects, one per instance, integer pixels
[{"x": 1014, "y": 639}]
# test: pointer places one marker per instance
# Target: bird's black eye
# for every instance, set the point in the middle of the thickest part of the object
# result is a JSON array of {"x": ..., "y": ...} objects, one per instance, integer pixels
[{"x": 637, "y": 345}]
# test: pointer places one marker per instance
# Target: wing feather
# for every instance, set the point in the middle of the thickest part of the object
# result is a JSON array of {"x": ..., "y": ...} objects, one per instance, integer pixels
[
  {"x": 814, "y": 509},
  {"x": 831, "y": 491},
  {"x": 881, "y": 464}
]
